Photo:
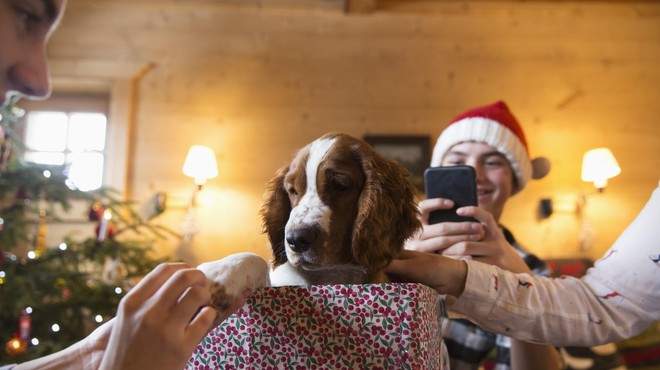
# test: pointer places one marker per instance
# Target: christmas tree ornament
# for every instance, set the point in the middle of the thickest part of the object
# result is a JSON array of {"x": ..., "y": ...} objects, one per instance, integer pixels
[
  {"x": 15, "y": 346},
  {"x": 95, "y": 211},
  {"x": 24, "y": 326},
  {"x": 105, "y": 230},
  {"x": 19, "y": 343}
]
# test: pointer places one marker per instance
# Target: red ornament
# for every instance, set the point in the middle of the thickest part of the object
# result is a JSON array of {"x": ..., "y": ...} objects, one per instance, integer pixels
[
  {"x": 24, "y": 326},
  {"x": 109, "y": 230},
  {"x": 95, "y": 212},
  {"x": 66, "y": 293}
]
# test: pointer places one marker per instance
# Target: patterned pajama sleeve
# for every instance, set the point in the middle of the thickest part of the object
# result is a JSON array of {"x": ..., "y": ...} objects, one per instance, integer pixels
[{"x": 617, "y": 299}]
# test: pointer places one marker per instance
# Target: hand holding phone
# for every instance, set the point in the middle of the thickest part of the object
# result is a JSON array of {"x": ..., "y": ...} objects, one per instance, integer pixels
[{"x": 457, "y": 183}]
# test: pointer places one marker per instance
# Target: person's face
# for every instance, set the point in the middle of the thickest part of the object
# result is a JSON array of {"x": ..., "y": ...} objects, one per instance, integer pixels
[
  {"x": 25, "y": 26},
  {"x": 494, "y": 173}
]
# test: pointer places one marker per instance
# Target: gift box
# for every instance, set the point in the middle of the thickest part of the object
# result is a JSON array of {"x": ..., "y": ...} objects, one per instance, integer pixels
[{"x": 365, "y": 326}]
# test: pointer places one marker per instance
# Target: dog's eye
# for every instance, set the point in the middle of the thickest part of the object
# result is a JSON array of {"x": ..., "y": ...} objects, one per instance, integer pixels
[
  {"x": 292, "y": 191},
  {"x": 339, "y": 185}
]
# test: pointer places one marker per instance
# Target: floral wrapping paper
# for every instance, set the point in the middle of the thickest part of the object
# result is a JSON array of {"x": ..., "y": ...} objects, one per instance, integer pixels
[{"x": 368, "y": 326}]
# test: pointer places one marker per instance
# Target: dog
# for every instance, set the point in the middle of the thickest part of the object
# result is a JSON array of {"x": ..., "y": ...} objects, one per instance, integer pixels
[{"x": 337, "y": 214}]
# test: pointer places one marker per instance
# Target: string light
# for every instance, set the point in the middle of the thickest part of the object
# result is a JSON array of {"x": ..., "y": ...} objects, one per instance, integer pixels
[
  {"x": 118, "y": 290},
  {"x": 2, "y": 278},
  {"x": 31, "y": 255},
  {"x": 63, "y": 246},
  {"x": 34, "y": 341},
  {"x": 28, "y": 310},
  {"x": 55, "y": 328},
  {"x": 98, "y": 318}
]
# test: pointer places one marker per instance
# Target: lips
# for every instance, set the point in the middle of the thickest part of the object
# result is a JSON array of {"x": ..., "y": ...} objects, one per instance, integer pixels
[{"x": 483, "y": 194}]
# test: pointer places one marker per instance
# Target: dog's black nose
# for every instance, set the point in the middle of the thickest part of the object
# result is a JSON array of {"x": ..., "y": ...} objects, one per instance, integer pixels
[{"x": 301, "y": 240}]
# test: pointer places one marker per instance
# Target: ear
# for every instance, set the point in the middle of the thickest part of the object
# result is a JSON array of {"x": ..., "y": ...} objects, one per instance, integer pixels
[
  {"x": 388, "y": 213},
  {"x": 275, "y": 212}
]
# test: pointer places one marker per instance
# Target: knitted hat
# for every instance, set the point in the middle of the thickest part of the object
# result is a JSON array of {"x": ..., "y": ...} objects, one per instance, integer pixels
[{"x": 493, "y": 125}]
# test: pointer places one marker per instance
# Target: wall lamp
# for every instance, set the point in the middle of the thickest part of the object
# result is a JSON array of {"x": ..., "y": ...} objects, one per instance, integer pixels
[
  {"x": 598, "y": 165},
  {"x": 200, "y": 164}
]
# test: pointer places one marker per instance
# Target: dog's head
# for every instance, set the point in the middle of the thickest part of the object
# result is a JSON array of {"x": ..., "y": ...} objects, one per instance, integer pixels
[{"x": 339, "y": 202}]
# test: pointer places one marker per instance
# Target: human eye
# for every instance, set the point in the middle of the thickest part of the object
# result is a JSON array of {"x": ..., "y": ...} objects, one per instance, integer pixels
[
  {"x": 28, "y": 17},
  {"x": 494, "y": 162},
  {"x": 452, "y": 160}
]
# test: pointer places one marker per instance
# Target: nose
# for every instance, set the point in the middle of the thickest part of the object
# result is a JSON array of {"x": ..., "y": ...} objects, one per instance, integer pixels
[
  {"x": 300, "y": 240},
  {"x": 478, "y": 169},
  {"x": 29, "y": 75}
]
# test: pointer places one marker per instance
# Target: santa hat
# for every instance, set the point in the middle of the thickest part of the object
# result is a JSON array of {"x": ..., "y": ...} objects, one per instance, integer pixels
[{"x": 496, "y": 126}]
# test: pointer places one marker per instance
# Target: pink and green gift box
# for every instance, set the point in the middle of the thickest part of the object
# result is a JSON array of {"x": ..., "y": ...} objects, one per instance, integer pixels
[{"x": 366, "y": 326}]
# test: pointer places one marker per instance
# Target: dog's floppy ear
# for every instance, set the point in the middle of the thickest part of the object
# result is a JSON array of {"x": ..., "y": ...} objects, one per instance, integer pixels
[
  {"x": 275, "y": 212},
  {"x": 388, "y": 214}
]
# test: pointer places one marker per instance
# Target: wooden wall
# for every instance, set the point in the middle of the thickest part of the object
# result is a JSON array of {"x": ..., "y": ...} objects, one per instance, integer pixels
[{"x": 256, "y": 83}]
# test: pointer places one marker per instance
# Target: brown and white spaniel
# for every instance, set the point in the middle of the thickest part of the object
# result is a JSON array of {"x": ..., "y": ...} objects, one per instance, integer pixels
[{"x": 337, "y": 214}]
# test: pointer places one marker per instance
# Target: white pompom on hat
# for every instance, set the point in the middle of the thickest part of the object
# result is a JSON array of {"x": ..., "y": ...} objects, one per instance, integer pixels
[{"x": 496, "y": 126}]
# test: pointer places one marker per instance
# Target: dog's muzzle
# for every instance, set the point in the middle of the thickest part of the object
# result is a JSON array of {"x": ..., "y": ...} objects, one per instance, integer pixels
[{"x": 301, "y": 239}]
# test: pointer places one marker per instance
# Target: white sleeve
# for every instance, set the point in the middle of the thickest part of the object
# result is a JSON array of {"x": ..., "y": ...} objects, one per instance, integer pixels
[{"x": 618, "y": 298}]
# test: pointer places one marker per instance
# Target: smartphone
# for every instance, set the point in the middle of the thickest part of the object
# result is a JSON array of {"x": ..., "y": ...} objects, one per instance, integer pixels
[{"x": 457, "y": 183}]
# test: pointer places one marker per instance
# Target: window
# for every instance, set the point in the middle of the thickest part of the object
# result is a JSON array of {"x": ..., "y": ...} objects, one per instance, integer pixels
[{"x": 74, "y": 139}]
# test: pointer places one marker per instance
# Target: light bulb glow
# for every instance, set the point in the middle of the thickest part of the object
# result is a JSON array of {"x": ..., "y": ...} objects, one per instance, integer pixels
[
  {"x": 200, "y": 164},
  {"x": 598, "y": 165}
]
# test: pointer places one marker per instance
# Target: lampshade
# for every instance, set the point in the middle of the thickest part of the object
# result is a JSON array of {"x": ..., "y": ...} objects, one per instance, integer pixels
[
  {"x": 200, "y": 163},
  {"x": 598, "y": 165}
]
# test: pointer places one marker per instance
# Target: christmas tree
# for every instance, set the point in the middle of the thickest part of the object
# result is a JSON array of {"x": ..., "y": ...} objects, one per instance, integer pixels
[{"x": 53, "y": 296}]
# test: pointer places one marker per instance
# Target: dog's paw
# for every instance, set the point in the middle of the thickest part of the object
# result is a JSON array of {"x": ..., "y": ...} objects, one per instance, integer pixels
[{"x": 231, "y": 277}]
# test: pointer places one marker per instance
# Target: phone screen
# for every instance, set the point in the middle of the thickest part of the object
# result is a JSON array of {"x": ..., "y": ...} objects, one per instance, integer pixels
[{"x": 457, "y": 183}]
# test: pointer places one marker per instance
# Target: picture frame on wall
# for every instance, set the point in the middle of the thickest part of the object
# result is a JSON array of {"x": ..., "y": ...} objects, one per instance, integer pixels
[{"x": 411, "y": 151}]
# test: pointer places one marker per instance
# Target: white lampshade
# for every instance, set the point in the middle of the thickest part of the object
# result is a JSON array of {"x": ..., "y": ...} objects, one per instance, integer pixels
[
  {"x": 598, "y": 165},
  {"x": 200, "y": 163}
]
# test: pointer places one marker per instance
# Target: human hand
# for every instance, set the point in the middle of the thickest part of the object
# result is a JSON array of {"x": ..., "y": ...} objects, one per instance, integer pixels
[
  {"x": 445, "y": 275},
  {"x": 493, "y": 248},
  {"x": 437, "y": 237},
  {"x": 162, "y": 319},
  {"x": 85, "y": 354}
]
